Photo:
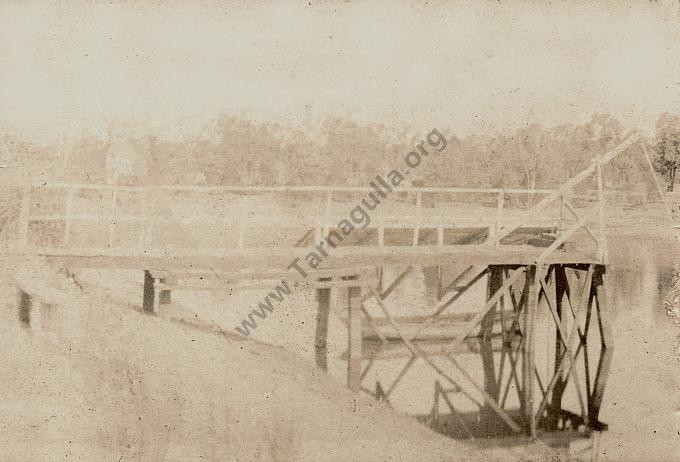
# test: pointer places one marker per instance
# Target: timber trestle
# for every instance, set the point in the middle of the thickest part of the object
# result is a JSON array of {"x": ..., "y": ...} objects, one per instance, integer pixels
[
  {"x": 542, "y": 333},
  {"x": 515, "y": 330}
]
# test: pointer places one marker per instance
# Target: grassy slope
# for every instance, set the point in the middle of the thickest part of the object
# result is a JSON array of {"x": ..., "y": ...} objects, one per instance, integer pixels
[{"x": 141, "y": 388}]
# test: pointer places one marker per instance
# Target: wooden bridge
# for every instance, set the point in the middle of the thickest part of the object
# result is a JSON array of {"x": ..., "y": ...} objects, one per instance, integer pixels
[{"x": 541, "y": 254}]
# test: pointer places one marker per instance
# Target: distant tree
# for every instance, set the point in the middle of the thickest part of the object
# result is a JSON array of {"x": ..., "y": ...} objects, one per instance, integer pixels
[
  {"x": 354, "y": 152},
  {"x": 667, "y": 147},
  {"x": 531, "y": 151},
  {"x": 605, "y": 132}
]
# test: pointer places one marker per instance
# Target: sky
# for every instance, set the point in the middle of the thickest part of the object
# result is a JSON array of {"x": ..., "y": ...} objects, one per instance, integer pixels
[{"x": 171, "y": 68}]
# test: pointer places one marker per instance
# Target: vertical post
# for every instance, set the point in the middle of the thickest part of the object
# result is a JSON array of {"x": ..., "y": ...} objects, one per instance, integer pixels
[
  {"x": 354, "y": 340},
  {"x": 561, "y": 225},
  {"x": 528, "y": 345},
  {"x": 323, "y": 298},
  {"x": 602, "y": 245},
  {"x": 440, "y": 235},
  {"x": 379, "y": 391},
  {"x": 435, "y": 405},
  {"x": 431, "y": 276},
  {"x": 151, "y": 225},
  {"x": 327, "y": 218},
  {"x": 605, "y": 318},
  {"x": 561, "y": 287},
  {"x": 148, "y": 293},
  {"x": 164, "y": 295},
  {"x": 416, "y": 229},
  {"x": 25, "y": 304},
  {"x": 494, "y": 284},
  {"x": 499, "y": 215},
  {"x": 24, "y": 216},
  {"x": 67, "y": 216}
]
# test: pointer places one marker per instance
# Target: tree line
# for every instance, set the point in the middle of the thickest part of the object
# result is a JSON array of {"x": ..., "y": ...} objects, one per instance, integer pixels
[{"x": 238, "y": 151}]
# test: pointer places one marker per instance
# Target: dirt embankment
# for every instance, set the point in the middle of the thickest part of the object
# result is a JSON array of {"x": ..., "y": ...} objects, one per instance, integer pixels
[{"x": 104, "y": 382}]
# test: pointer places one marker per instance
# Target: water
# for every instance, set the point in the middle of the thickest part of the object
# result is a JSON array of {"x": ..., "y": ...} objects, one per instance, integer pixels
[{"x": 641, "y": 403}]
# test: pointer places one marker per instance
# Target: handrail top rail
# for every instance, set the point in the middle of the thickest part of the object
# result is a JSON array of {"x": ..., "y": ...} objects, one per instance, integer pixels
[{"x": 285, "y": 189}]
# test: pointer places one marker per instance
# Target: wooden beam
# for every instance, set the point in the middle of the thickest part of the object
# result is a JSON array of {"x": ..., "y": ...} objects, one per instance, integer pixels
[
  {"x": 164, "y": 293},
  {"x": 323, "y": 298},
  {"x": 499, "y": 217},
  {"x": 354, "y": 340},
  {"x": 561, "y": 288},
  {"x": 605, "y": 317},
  {"x": 602, "y": 243},
  {"x": 494, "y": 283},
  {"x": 533, "y": 273},
  {"x": 254, "y": 259},
  {"x": 575, "y": 334},
  {"x": 561, "y": 239},
  {"x": 491, "y": 302},
  {"x": 572, "y": 210},
  {"x": 25, "y": 306},
  {"x": 394, "y": 348},
  {"x": 550, "y": 198},
  {"x": 416, "y": 353},
  {"x": 552, "y": 303},
  {"x": 416, "y": 229},
  {"x": 284, "y": 189},
  {"x": 148, "y": 297}
]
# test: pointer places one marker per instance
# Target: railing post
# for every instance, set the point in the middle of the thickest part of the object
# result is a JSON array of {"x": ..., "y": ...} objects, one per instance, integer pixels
[
  {"x": 602, "y": 245},
  {"x": 329, "y": 204},
  {"x": 561, "y": 226},
  {"x": 499, "y": 216},
  {"x": 416, "y": 229}
]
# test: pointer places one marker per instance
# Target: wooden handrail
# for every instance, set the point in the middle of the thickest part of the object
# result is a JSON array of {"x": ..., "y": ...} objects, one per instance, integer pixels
[
  {"x": 289, "y": 189},
  {"x": 498, "y": 226}
]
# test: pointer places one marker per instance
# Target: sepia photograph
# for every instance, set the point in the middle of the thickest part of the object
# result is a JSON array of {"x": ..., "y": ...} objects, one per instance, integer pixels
[{"x": 340, "y": 230}]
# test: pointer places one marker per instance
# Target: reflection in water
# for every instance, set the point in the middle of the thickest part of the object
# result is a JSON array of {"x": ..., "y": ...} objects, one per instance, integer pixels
[
  {"x": 639, "y": 290},
  {"x": 639, "y": 403},
  {"x": 641, "y": 396}
]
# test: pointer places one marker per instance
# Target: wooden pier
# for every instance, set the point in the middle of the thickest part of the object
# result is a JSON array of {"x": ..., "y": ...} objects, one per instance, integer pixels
[{"x": 545, "y": 261}]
